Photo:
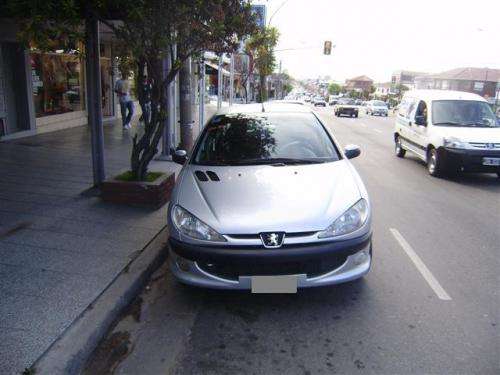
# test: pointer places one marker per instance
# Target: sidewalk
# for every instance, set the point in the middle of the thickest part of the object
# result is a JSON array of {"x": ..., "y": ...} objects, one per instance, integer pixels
[{"x": 59, "y": 249}]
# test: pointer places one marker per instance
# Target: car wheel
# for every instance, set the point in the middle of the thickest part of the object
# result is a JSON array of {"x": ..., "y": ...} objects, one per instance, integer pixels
[
  {"x": 400, "y": 151},
  {"x": 356, "y": 115},
  {"x": 434, "y": 163}
]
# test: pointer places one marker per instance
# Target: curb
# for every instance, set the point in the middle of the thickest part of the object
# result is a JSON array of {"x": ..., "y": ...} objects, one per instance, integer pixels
[{"x": 69, "y": 353}]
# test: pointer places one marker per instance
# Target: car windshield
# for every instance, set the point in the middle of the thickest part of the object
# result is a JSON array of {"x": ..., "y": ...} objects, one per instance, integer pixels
[
  {"x": 273, "y": 138},
  {"x": 379, "y": 103},
  {"x": 463, "y": 113}
]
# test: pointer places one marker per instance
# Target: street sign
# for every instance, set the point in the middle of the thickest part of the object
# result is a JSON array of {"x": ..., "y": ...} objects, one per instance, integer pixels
[
  {"x": 260, "y": 13},
  {"x": 327, "y": 49}
]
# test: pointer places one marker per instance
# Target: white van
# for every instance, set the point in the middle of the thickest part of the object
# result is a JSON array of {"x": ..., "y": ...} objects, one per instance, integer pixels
[{"x": 449, "y": 130}]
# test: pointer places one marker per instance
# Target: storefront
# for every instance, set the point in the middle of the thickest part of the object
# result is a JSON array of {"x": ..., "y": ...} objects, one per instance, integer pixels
[{"x": 42, "y": 92}]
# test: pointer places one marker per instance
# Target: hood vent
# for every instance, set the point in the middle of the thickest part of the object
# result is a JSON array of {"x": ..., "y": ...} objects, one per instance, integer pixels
[
  {"x": 213, "y": 176},
  {"x": 201, "y": 176}
]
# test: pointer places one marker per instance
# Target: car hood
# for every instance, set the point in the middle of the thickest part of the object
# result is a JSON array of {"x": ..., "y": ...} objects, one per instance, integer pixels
[
  {"x": 254, "y": 199},
  {"x": 481, "y": 135}
]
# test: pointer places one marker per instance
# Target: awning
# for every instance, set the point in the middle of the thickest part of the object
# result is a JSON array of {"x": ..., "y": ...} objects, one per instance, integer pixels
[{"x": 216, "y": 67}]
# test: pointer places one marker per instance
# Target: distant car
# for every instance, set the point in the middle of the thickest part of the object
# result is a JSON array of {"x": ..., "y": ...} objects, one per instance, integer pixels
[
  {"x": 358, "y": 102},
  {"x": 307, "y": 99},
  {"x": 377, "y": 107},
  {"x": 333, "y": 101},
  {"x": 319, "y": 102},
  {"x": 346, "y": 106}
]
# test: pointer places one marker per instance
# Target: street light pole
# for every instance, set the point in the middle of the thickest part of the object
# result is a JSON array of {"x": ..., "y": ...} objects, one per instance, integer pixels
[
  {"x": 219, "y": 82},
  {"x": 202, "y": 95},
  {"x": 231, "y": 81}
]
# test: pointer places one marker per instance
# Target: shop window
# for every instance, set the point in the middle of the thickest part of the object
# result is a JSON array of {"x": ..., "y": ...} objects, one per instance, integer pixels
[
  {"x": 57, "y": 83},
  {"x": 478, "y": 86}
]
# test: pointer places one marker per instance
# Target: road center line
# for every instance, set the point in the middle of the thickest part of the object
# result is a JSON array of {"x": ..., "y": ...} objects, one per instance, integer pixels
[{"x": 421, "y": 267}]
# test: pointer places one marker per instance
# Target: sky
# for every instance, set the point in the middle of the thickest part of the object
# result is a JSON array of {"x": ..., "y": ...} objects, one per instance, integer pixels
[{"x": 377, "y": 37}]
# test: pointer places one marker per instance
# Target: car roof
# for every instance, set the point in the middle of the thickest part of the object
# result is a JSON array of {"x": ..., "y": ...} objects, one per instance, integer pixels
[
  {"x": 268, "y": 107},
  {"x": 443, "y": 95}
]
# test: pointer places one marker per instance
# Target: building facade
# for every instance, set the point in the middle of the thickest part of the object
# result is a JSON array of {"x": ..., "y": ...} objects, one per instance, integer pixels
[
  {"x": 405, "y": 77},
  {"x": 359, "y": 84},
  {"x": 481, "y": 81},
  {"x": 43, "y": 92}
]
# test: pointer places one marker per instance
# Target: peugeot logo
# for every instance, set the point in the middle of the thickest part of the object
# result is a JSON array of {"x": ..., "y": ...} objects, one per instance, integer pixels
[
  {"x": 272, "y": 239},
  {"x": 490, "y": 145}
]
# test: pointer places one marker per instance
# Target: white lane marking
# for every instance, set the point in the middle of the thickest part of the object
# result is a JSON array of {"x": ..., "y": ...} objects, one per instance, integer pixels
[
  {"x": 421, "y": 267},
  {"x": 378, "y": 131}
]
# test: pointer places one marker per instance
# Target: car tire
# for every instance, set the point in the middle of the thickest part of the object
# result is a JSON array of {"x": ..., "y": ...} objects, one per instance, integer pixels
[
  {"x": 434, "y": 163},
  {"x": 356, "y": 115},
  {"x": 400, "y": 151}
]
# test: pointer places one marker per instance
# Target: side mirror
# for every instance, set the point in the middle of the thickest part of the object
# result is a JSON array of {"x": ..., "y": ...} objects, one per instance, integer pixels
[
  {"x": 179, "y": 156},
  {"x": 352, "y": 151},
  {"x": 420, "y": 120}
]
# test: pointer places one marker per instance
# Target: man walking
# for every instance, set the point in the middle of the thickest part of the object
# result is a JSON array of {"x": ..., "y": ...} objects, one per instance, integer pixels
[{"x": 122, "y": 89}]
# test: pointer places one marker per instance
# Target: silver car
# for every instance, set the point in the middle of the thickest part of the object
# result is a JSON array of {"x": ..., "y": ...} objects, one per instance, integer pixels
[{"x": 267, "y": 195}]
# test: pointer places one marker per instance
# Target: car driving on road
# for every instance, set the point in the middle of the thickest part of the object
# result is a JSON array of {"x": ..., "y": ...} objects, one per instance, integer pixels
[
  {"x": 346, "y": 106},
  {"x": 268, "y": 196},
  {"x": 449, "y": 130},
  {"x": 319, "y": 102},
  {"x": 377, "y": 107}
]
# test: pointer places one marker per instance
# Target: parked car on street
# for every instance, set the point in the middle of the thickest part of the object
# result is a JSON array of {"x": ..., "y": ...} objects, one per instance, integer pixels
[
  {"x": 449, "y": 130},
  {"x": 268, "y": 200},
  {"x": 377, "y": 107},
  {"x": 346, "y": 106},
  {"x": 319, "y": 102}
]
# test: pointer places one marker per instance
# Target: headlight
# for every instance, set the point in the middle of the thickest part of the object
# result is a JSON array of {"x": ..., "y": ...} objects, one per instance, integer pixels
[
  {"x": 191, "y": 226},
  {"x": 348, "y": 222},
  {"x": 454, "y": 143}
]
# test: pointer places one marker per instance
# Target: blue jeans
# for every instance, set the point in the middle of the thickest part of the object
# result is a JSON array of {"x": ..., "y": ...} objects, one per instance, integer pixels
[{"x": 126, "y": 118}]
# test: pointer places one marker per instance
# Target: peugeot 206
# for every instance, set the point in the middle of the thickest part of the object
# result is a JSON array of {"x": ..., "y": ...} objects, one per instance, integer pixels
[{"x": 268, "y": 201}]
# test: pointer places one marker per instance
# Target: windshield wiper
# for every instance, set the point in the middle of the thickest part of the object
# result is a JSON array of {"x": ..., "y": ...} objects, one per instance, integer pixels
[
  {"x": 448, "y": 123},
  {"x": 275, "y": 161}
]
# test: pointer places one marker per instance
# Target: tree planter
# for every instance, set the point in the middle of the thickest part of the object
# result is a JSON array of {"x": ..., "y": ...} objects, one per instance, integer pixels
[{"x": 139, "y": 193}]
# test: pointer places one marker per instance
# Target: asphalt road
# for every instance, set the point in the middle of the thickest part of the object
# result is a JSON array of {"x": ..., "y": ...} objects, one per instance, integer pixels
[{"x": 430, "y": 304}]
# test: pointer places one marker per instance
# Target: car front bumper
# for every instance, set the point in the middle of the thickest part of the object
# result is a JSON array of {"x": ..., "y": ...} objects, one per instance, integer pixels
[
  {"x": 189, "y": 263},
  {"x": 470, "y": 160}
]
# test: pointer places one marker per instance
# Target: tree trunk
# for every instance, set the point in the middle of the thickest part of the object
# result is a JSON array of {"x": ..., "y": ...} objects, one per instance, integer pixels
[
  {"x": 263, "y": 89},
  {"x": 144, "y": 149}
]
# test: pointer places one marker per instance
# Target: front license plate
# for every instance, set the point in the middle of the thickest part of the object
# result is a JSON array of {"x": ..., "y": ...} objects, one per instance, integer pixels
[
  {"x": 274, "y": 284},
  {"x": 491, "y": 161}
]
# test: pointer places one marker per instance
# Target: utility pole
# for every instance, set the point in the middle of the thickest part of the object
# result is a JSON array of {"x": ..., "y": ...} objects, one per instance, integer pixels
[
  {"x": 231, "y": 81},
  {"x": 94, "y": 97},
  {"x": 219, "y": 82},
  {"x": 202, "y": 95},
  {"x": 186, "y": 110},
  {"x": 280, "y": 84}
]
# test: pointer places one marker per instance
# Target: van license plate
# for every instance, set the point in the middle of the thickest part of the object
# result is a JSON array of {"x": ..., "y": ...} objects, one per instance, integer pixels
[
  {"x": 491, "y": 161},
  {"x": 274, "y": 284}
]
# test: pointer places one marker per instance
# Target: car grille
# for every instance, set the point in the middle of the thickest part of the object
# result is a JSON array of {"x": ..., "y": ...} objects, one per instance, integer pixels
[
  {"x": 485, "y": 146},
  {"x": 311, "y": 268}
]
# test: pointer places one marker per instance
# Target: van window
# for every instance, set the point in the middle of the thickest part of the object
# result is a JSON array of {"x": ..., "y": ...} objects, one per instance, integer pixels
[
  {"x": 422, "y": 110},
  {"x": 463, "y": 113}
]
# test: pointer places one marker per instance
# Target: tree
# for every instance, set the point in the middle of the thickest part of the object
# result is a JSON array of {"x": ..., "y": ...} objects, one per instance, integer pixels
[
  {"x": 260, "y": 48},
  {"x": 334, "y": 88},
  {"x": 147, "y": 30}
]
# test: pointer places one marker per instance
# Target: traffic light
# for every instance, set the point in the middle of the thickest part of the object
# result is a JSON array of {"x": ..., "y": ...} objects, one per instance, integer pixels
[{"x": 327, "y": 49}]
